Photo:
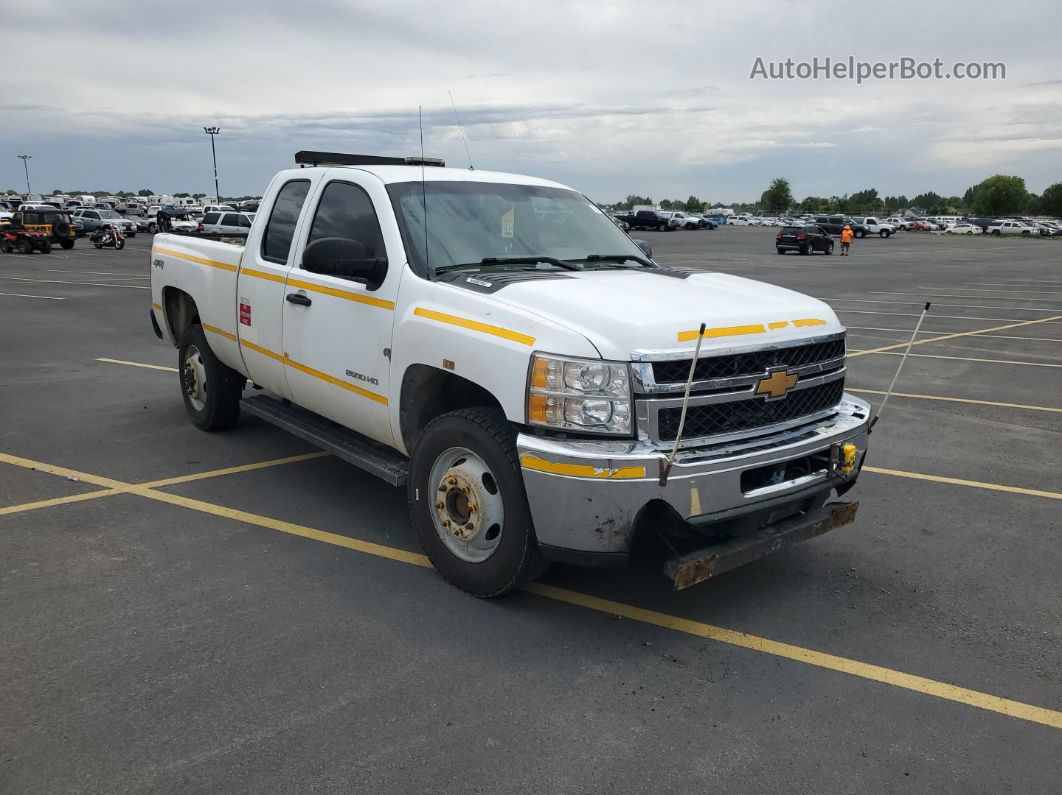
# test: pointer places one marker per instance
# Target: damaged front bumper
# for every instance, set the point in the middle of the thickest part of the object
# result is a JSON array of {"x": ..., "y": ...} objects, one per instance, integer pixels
[{"x": 587, "y": 497}]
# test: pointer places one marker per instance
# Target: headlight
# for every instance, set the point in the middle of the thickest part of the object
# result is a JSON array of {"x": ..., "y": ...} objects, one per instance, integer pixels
[{"x": 582, "y": 395}]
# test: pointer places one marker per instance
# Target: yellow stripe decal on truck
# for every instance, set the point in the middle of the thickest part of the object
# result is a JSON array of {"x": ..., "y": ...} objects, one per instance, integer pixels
[
  {"x": 754, "y": 328},
  {"x": 219, "y": 332},
  {"x": 348, "y": 295},
  {"x": 528, "y": 461},
  {"x": 210, "y": 263},
  {"x": 475, "y": 325},
  {"x": 726, "y": 331},
  {"x": 302, "y": 368},
  {"x": 157, "y": 306}
]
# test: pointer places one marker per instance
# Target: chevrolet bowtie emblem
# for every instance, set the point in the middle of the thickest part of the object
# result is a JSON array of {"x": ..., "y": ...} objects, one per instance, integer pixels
[{"x": 777, "y": 384}]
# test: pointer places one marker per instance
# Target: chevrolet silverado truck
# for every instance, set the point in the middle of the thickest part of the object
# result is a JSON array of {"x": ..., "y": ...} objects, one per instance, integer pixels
[{"x": 543, "y": 390}]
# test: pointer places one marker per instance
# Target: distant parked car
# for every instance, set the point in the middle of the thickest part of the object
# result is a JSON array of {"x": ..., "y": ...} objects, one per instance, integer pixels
[
  {"x": 1011, "y": 228},
  {"x": 93, "y": 219},
  {"x": 233, "y": 223},
  {"x": 835, "y": 224},
  {"x": 219, "y": 208},
  {"x": 964, "y": 228},
  {"x": 874, "y": 226},
  {"x": 651, "y": 219},
  {"x": 684, "y": 221},
  {"x": 805, "y": 239}
]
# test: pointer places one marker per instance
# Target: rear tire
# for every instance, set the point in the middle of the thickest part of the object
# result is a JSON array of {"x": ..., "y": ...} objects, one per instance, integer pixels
[
  {"x": 781, "y": 250},
  {"x": 805, "y": 250},
  {"x": 46, "y": 246},
  {"x": 119, "y": 244},
  {"x": 468, "y": 505},
  {"x": 152, "y": 228},
  {"x": 211, "y": 389},
  {"x": 996, "y": 232}
]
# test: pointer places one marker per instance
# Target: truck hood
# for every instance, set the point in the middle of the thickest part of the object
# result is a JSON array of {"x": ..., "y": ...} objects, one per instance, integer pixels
[{"x": 623, "y": 311}]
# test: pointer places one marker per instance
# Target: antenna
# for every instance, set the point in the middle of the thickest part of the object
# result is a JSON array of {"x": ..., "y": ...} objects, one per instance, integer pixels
[
  {"x": 665, "y": 468},
  {"x": 896, "y": 375},
  {"x": 423, "y": 186},
  {"x": 461, "y": 130}
]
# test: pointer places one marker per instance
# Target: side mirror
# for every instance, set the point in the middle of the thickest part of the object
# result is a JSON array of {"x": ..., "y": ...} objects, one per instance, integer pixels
[
  {"x": 345, "y": 258},
  {"x": 644, "y": 246}
]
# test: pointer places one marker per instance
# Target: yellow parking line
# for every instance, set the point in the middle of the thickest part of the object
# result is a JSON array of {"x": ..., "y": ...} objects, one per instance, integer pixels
[
  {"x": 955, "y": 400},
  {"x": 957, "y": 358},
  {"x": 876, "y": 673},
  {"x": 955, "y": 306},
  {"x": 953, "y": 295},
  {"x": 275, "y": 462},
  {"x": 121, "y": 487},
  {"x": 899, "y": 345},
  {"x": 138, "y": 364},
  {"x": 833, "y": 662},
  {"x": 32, "y": 506},
  {"x": 975, "y": 484}
]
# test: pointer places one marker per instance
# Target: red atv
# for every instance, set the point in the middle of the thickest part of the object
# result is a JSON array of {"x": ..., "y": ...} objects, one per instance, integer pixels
[{"x": 25, "y": 241}]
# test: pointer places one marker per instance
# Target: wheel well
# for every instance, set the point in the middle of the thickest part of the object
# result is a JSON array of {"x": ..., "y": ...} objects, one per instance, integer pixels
[
  {"x": 428, "y": 392},
  {"x": 180, "y": 311}
]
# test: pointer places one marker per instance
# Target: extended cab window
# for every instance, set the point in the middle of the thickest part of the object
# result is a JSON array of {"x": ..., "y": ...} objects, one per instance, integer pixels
[
  {"x": 346, "y": 211},
  {"x": 276, "y": 243},
  {"x": 210, "y": 219}
]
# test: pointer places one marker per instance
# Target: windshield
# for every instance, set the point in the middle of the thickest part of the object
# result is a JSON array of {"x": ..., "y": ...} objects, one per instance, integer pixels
[
  {"x": 109, "y": 214},
  {"x": 472, "y": 221}
]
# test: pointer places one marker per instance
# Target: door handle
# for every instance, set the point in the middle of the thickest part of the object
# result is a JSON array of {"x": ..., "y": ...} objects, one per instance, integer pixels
[{"x": 298, "y": 298}]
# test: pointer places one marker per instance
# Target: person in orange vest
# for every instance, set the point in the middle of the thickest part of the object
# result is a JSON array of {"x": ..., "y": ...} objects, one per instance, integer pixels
[{"x": 846, "y": 239}]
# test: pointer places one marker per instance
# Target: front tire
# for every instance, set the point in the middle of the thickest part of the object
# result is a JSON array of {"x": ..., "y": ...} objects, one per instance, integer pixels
[
  {"x": 67, "y": 244},
  {"x": 860, "y": 234},
  {"x": 211, "y": 389},
  {"x": 119, "y": 244},
  {"x": 24, "y": 246},
  {"x": 884, "y": 233},
  {"x": 152, "y": 228},
  {"x": 468, "y": 504},
  {"x": 829, "y": 249}
]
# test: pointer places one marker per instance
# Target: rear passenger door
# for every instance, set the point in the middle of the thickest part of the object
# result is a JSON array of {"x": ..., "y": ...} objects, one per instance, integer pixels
[{"x": 337, "y": 331}]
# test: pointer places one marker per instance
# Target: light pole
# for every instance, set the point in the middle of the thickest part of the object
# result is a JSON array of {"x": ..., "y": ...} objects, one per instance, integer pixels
[
  {"x": 25, "y": 164},
  {"x": 212, "y": 131}
]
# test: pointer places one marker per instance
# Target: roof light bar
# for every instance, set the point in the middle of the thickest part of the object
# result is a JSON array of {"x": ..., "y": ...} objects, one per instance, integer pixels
[{"x": 307, "y": 158}]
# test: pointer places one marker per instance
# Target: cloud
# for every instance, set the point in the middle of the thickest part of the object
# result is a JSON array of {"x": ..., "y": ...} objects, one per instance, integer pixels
[{"x": 596, "y": 95}]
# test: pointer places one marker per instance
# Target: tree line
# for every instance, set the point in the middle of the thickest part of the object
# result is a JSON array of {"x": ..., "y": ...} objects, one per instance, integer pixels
[{"x": 997, "y": 195}]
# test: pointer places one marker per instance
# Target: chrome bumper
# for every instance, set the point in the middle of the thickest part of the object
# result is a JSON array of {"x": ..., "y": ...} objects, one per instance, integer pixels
[{"x": 586, "y": 495}]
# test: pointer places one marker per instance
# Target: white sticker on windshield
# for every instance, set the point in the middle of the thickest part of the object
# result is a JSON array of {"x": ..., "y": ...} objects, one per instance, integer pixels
[{"x": 508, "y": 222}]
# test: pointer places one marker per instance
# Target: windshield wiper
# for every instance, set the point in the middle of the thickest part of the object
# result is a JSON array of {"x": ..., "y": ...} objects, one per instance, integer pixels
[
  {"x": 568, "y": 266},
  {"x": 617, "y": 258},
  {"x": 560, "y": 263}
]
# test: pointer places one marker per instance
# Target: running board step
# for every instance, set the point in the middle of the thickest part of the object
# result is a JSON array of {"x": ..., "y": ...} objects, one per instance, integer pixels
[{"x": 364, "y": 453}]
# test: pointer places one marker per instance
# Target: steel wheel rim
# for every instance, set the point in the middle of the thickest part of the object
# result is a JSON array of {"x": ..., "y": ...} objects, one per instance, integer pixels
[
  {"x": 467, "y": 509},
  {"x": 193, "y": 378}
]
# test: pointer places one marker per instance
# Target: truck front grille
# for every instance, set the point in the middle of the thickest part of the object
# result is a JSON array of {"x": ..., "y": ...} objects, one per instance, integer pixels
[
  {"x": 752, "y": 363},
  {"x": 755, "y": 412}
]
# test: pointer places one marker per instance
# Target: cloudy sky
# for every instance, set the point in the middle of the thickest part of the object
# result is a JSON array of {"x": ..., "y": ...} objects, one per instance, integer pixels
[{"x": 610, "y": 97}]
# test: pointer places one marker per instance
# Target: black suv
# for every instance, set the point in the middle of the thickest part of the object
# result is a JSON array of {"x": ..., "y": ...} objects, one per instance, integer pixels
[
  {"x": 834, "y": 224},
  {"x": 805, "y": 239}
]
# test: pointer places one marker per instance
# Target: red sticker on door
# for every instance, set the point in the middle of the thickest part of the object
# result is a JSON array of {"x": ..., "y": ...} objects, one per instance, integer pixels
[{"x": 245, "y": 313}]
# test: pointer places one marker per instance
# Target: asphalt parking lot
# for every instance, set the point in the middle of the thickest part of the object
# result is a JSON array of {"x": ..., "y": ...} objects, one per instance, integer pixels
[{"x": 236, "y": 612}]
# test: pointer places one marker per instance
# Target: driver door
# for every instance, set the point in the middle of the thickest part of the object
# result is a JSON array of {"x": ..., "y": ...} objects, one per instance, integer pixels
[{"x": 337, "y": 331}]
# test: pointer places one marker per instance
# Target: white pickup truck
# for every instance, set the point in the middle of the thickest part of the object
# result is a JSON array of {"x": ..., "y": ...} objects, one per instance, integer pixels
[{"x": 496, "y": 344}]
